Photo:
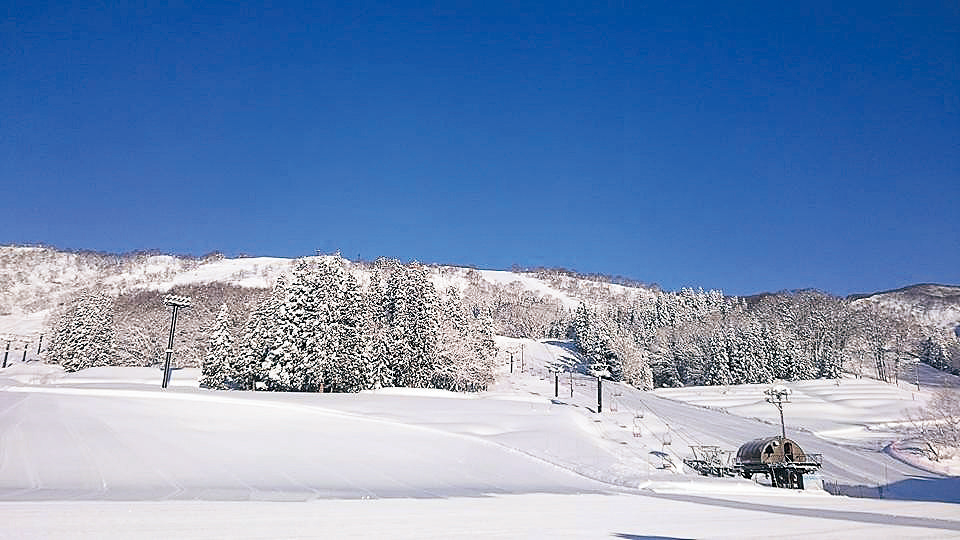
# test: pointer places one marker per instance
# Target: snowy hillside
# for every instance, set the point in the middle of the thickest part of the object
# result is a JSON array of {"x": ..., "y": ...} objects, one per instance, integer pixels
[
  {"x": 35, "y": 280},
  {"x": 932, "y": 305},
  {"x": 106, "y": 452}
]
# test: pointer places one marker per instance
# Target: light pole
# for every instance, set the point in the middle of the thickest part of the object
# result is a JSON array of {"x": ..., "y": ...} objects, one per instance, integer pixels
[
  {"x": 176, "y": 302},
  {"x": 599, "y": 394},
  {"x": 778, "y": 395}
]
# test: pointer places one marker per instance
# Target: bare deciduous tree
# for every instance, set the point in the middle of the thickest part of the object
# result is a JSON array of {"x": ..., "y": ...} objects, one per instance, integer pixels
[{"x": 937, "y": 426}]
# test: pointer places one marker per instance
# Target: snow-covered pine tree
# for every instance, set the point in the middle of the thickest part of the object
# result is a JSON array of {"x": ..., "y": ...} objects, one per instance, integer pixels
[
  {"x": 84, "y": 335},
  {"x": 411, "y": 311},
  {"x": 378, "y": 329},
  {"x": 276, "y": 338},
  {"x": 717, "y": 369},
  {"x": 558, "y": 326},
  {"x": 830, "y": 362},
  {"x": 775, "y": 344},
  {"x": 933, "y": 352},
  {"x": 737, "y": 358},
  {"x": 757, "y": 353},
  {"x": 664, "y": 359},
  {"x": 215, "y": 369},
  {"x": 399, "y": 346},
  {"x": 307, "y": 333},
  {"x": 422, "y": 327},
  {"x": 251, "y": 348},
  {"x": 593, "y": 332},
  {"x": 342, "y": 341},
  {"x": 797, "y": 367}
]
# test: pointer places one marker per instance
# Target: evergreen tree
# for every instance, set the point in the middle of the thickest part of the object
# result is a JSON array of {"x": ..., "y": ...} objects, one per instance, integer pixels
[
  {"x": 737, "y": 358},
  {"x": 245, "y": 366},
  {"x": 718, "y": 364},
  {"x": 776, "y": 355},
  {"x": 593, "y": 334},
  {"x": 933, "y": 352},
  {"x": 378, "y": 331},
  {"x": 757, "y": 353},
  {"x": 411, "y": 311},
  {"x": 797, "y": 368},
  {"x": 270, "y": 361},
  {"x": 343, "y": 343},
  {"x": 215, "y": 369},
  {"x": 83, "y": 337},
  {"x": 831, "y": 363}
]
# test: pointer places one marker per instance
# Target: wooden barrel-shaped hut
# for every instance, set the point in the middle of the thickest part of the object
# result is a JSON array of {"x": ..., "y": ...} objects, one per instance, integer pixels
[
  {"x": 770, "y": 451},
  {"x": 782, "y": 460}
]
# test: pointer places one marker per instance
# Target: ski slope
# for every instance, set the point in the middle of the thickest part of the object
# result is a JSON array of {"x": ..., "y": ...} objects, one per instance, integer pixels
[
  {"x": 105, "y": 452},
  {"x": 189, "y": 444},
  {"x": 855, "y": 460}
]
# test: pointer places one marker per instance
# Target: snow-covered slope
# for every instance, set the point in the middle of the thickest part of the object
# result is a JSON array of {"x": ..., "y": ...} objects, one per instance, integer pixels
[
  {"x": 34, "y": 281},
  {"x": 930, "y": 304},
  {"x": 848, "y": 410},
  {"x": 106, "y": 452}
]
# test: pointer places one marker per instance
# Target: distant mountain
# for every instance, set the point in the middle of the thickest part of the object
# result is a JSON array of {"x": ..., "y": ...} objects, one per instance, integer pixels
[
  {"x": 930, "y": 303},
  {"x": 920, "y": 290}
]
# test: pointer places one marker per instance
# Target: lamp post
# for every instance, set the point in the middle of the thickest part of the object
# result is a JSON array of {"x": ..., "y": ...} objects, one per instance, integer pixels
[
  {"x": 778, "y": 395},
  {"x": 176, "y": 302}
]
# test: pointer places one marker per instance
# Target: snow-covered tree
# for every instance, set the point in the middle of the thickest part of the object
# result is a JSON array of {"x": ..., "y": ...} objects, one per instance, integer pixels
[
  {"x": 635, "y": 361},
  {"x": 83, "y": 337},
  {"x": 717, "y": 370},
  {"x": 465, "y": 359},
  {"x": 411, "y": 311},
  {"x": 378, "y": 327},
  {"x": 216, "y": 370},
  {"x": 342, "y": 337},
  {"x": 592, "y": 334},
  {"x": 250, "y": 368}
]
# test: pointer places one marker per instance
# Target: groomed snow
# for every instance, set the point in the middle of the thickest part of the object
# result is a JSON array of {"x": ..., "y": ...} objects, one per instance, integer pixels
[
  {"x": 105, "y": 452},
  {"x": 622, "y": 516}
]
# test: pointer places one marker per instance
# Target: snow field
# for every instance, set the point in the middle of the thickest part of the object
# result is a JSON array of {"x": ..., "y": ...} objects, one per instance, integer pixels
[
  {"x": 75, "y": 441},
  {"x": 849, "y": 410},
  {"x": 105, "y": 452},
  {"x": 855, "y": 463},
  {"x": 500, "y": 516}
]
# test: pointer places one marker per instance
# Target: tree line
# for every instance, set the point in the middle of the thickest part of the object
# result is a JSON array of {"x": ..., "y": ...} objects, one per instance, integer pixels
[
  {"x": 705, "y": 338},
  {"x": 319, "y": 330},
  {"x": 340, "y": 326}
]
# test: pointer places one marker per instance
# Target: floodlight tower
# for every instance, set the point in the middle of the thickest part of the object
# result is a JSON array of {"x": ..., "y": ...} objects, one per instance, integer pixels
[
  {"x": 779, "y": 394},
  {"x": 176, "y": 302}
]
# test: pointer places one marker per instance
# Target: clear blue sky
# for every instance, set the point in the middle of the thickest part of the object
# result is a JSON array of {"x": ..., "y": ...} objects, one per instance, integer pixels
[{"x": 746, "y": 146}]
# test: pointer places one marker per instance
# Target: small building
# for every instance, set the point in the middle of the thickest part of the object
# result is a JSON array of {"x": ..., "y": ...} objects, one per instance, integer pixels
[{"x": 782, "y": 459}]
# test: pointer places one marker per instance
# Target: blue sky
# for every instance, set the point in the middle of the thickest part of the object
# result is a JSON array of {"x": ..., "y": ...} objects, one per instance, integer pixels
[{"x": 749, "y": 148}]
